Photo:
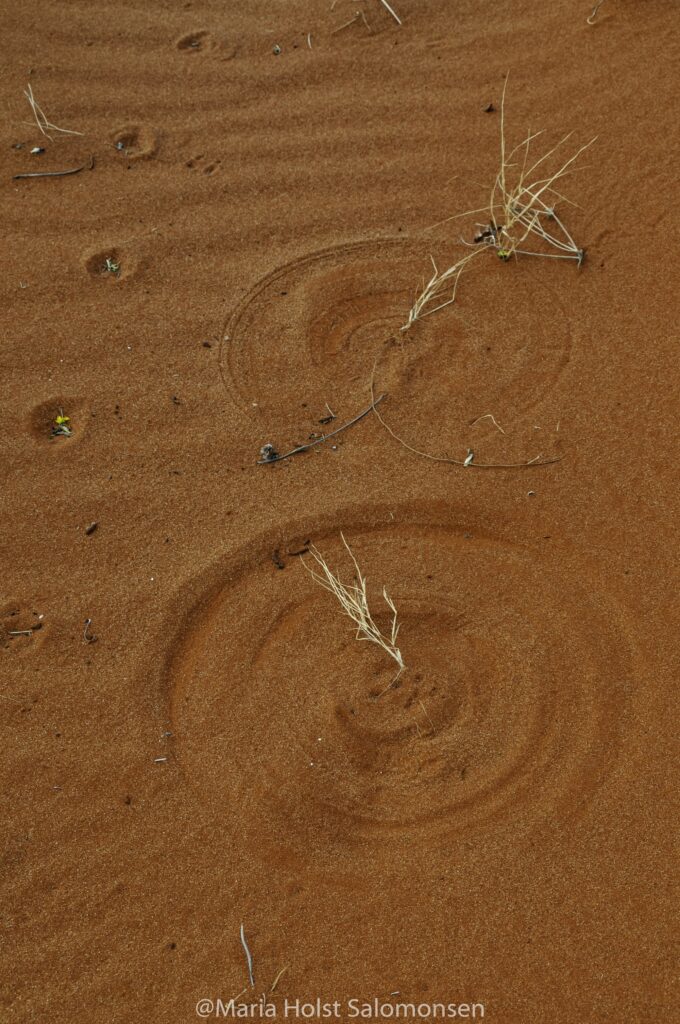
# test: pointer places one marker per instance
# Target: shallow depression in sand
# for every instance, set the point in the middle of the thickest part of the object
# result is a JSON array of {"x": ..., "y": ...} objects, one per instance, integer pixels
[
  {"x": 510, "y": 704},
  {"x": 136, "y": 141},
  {"x": 43, "y": 423},
  {"x": 21, "y": 627}
]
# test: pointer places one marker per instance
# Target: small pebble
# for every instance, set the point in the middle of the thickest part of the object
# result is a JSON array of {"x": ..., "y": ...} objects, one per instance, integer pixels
[{"x": 268, "y": 453}]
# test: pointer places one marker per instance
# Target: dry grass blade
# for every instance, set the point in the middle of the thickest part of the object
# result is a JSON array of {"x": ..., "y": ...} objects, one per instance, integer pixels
[
  {"x": 392, "y": 11},
  {"x": 436, "y": 288},
  {"x": 593, "y": 13},
  {"x": 41, "y": 118},
  {"x": 353, "y": 599}
]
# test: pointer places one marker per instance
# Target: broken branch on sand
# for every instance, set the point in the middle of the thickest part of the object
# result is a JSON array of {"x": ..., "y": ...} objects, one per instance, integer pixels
[
  {"x": 55, "y": 174},
  {"x": 468, "y": 461},
  {"x": 273, "y": 456}
]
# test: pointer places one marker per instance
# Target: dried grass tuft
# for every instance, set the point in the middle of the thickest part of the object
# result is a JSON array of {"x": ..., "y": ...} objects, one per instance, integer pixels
[
  {"x": 353, "y": 599},
  {"x": 521, "y": 211}
]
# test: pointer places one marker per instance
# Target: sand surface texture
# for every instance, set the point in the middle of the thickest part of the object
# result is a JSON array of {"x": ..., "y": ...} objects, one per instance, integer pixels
[{"x": 263, "y": 186}]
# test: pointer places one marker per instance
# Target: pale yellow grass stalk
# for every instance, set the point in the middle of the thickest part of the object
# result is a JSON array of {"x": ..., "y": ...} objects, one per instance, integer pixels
[
  {"x": 353, "y": 600},
  {"x": 436, "y": 288},
  {"x": 41, "y": 118}
]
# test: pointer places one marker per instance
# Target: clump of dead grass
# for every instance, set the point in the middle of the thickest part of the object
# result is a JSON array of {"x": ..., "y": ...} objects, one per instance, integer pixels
[
  {"x": 353, "y": 600},
  {"x": 521, "y": 213}
]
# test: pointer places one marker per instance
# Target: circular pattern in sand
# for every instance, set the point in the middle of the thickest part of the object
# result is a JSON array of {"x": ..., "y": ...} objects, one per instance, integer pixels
[
  {"x": 510, "y": 705},
  {"x": 312, "y": 331},
  {"x": 309, "y": 332}
]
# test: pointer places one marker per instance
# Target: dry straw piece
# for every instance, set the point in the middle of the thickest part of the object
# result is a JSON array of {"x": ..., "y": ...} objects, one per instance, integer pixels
[
  {"x": 353, "y": 600},
  {"x": 521, "y": 209},
  {"x": 434, "y": 289},
  {"x": 392, "y": 11},
  {"x": 41, "y": 118},
  {"x": 593, "y": 13}
]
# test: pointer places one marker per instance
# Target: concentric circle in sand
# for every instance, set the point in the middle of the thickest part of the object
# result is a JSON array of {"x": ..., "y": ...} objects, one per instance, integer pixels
[
  {"x": 313, "y": 331},
  {"x": 288, "y": 725}
]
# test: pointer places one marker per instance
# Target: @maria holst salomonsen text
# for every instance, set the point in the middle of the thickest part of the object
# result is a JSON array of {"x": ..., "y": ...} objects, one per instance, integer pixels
[{"x": 350, "y": 1009}]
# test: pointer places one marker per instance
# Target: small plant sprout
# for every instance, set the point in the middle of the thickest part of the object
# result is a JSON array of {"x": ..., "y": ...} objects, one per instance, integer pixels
[
  {"x": 111, "y": 266},
  {"x": 60, "y": 427},
  {"x": 353, "y": 600}
]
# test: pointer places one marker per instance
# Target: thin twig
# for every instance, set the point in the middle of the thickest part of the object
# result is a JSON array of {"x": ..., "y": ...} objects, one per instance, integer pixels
[
  {"x": 55, "y": 174},
  {"x": 434, "y": 288},
  {"x": 461, "y": 462},
  {"x": 277, "y": 979},
  {"x": 593, "y": 13},
  {"x": 87, "y": 638},
  {"x": 359, "y": 14},
  {"x": 324, "y": 437},
  {"x": 490, "y": 416},
  {"x": 249, "y": 958},
  {"x": 427, "y": 715}
]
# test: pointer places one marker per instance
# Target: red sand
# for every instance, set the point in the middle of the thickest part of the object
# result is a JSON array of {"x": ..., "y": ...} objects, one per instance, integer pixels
[{"x": 497, "y": 829}]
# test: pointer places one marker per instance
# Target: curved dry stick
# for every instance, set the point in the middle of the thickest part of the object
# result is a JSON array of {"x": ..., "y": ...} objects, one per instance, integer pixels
[
  {"x": 249, "y": 958},
  {"x": 324, "y": 437},
  {"x": 593, "y": 13},
  {"x": 533, "y": 464},
  {"x": 55, "y": 174}
]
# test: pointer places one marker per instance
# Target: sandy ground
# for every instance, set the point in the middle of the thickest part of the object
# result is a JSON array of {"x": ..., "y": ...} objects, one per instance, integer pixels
[{"x": 497, "y": 828}]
